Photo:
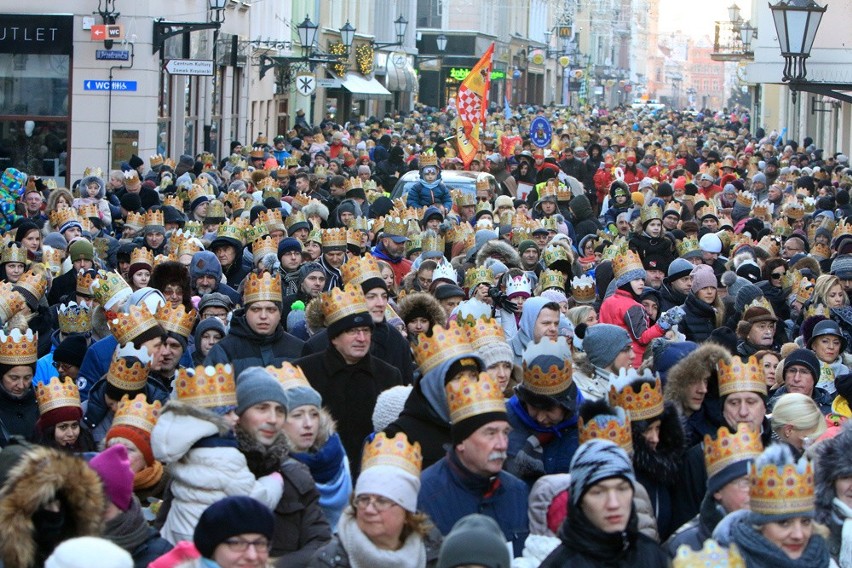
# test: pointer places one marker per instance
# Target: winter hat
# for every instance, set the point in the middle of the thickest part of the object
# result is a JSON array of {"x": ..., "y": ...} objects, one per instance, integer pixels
[
  {"x": 231, "y": 516},
  {"x": 389, "y": 406},
  {"x": 746, "y": 295},
  {"x": 703, "y": 277},
  {"x": 728, "y": 455},
  {"x": 679, "y": 268},
  {"x": 204, "y": 263},
  {"x": 206, "y": 325},
  {"x": 81, "y": 249},
  {"x": 805, "y": 358},
  {"x": 827, "y": 327},
  {"x": 216, "y": 299},
  {"x": 304, "y": 395},
  {"x": 289, "y": 245},
  {"x": 670, "y": 355},
  {"x": 79, "y": 553},
  {"x": 841, "y": 267},
  {"x": 595, "y": 461},
  {"x": 308, "y": 268},
  {"x": 475, "y": 540},
  {"x": 113, "y": 467},
  {"x": 495, "y": 352},
  {"x": 71, "y": 350},
  {"x": 603, "y": 342},
  {"x": 750, "y": 271},
  {"x": 131, "y": 202},
  {"x": 527, "y": 245},
  {"x": 733, "y": 283},
  {"x": 390, "y": 467},
  {"x": 831, "y": 463},
  {"x": 256, "y": 385},
  {"x": 710, "y": 243}
]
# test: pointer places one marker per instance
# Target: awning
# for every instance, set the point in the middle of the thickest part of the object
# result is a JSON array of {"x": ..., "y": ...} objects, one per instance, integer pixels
[
  {"x": 401, "y": 76},
  {"x": 358, "y": 85}
]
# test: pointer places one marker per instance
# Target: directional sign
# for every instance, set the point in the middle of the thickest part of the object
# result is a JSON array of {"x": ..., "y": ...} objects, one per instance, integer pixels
[
  {"x": 190, "y": 66},
  {"x": 95, "y": 85},
  {"x": 112, "y": 55},
  {"x": 306, "y": 84},
  {"x": 328, "y": 83},
  {"x": 103, "y": 32}
]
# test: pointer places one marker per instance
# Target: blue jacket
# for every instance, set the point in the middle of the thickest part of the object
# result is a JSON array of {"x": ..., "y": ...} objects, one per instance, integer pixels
[
  {"x": 421, "y": 196},
  {"x": 449, "y": 491},
  {"x": 97, "y": 415}
]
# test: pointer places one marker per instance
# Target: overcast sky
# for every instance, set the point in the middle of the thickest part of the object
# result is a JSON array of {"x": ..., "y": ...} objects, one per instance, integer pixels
[{"x": 697, "y": 18}]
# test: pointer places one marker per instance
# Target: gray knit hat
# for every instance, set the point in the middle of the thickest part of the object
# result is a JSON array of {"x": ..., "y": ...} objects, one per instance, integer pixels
[
  {"x": 295, "y": 397},
  {"x": 256, "y": 385},
  {"x": 496, "y": 352},
  {"x": 841, "y": 266},
  {"x": 474, "y": 540},
  {"x": 603, "y": 342},
  {"x": 746, "y": 295},
  {"x": 595, "y": 461}
]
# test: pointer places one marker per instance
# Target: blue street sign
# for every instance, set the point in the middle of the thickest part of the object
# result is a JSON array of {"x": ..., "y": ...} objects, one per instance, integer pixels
[
  {"x": 540, "y": 132},
  {"x": 94, "y": 85},
  {"x": 112, "y": 55}
]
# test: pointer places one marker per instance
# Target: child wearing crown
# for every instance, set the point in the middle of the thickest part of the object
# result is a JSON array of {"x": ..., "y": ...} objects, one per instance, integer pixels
[
  {"x": 430, "y": 190},
  {"x": 93, "y": 192}
]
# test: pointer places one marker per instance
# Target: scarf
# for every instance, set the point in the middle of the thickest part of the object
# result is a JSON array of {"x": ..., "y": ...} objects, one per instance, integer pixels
[
  {"x": 364, "y": 554},
  {"x": 261, "y": 459},
  {"x": 129, "y": 529},
  {"x": 842, "y": 515},
  {"x": 580, "y": 535},
  {"x": 760, "y": 553},
  {"x": 325, "y": 463},
  {"x": 148, "y": 477}
]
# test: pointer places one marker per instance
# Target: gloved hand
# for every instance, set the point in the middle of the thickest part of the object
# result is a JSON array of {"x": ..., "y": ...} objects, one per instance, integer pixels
[
  {"x": 529, "y": 461},
  {"x": 671, "y": 317},
  {"x": 501, "y": 300}
]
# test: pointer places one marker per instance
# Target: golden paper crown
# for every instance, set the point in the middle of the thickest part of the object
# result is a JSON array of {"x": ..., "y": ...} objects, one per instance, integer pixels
[
  {"x": 291, "y": 162},
  {"x": 289, "y": 376},
  {"x": 215, "y": 210},
  {"x": 264, "y": 246},
  {"x": 156, "y": 160},
  {"x": 154, "y": 218},
  {"x": 625, "y": 263},
  {"x": 730, "y": 448},
  {"x": 395, "y": 226},
  {"x": 208, "y": 386},
  {"x": 762, "y": 209},
  {"x": 169, "y": 162},
  {"x": 294, "y": 218},
  {"x": 53, "y": 259},
  {"x": 93, "y": 171},
  {"x": 612, "y": 427},
  {"x": 583, "y": 289},
  {"x": 551, "y": 279},
  {"x": 553, "y": 254},
  {"x": 193, "y": 229},
  {"x": 841, "y": 229},
  {"x": 142, "y": 255},
  {"x": 74, "y": 318},
  {"x": 197, "y": 191},
  {"x": 687, "y": 245},
  {"x": 129, "y": 326},
  {"x": 803, "y": 289},
  {"x": 128, "y": 376},
  {"x": 135, "y": 220},
  {"x": 338, "y": 303},
  {"x": 18, "y": 348},
  {"x": 483, "y": 331},
  {"x": 59, "y": 218},
  {"x": 547, "y": 189},
  {"x": 137, "y": 413},
  {"x": 413, "y": 244},
  {"x": 301, "y": 199},
  {"x": 88, "y": 210},
  {"x": 432, "y": 242},
  {"x": 643, "y": 405},
  {"x": 11, "y": 302},
  {"x": 554, "y": 379},
  {"x": 256, "y": 231},
  {"x": 35, "y": 284},
  {"x": 463, "y": 199},
  {"x": 358, "y": 270},
  {"x": 650, "y": 212},
  {"x": 483, "y": 181},
  {"x": 712, "y": 555},
  {"x": 334, "y": 237},
  {"x": 272, "y": 219},
  {"x": 176, "y": 319},
  {"x": 107, "y": 286},
  {"x": 781, "y": 490},
  {"x": 353, "y": 238},
  {"x": 396, "y": 452},
  {"x": 315, "y": 236},
  {"x": 57, "y": 394},
  {"x": 673, "y": 207},
  {"x": 520, "y": 235},
  {"x": 459, "y": 233},
  {"x": 233, "y": 230},
  {"x": 428, "y": 158},
  {"x": 745, "y": 198},
  {"x": 353, "y": 183},
  {"x": 617, "y": 248},
  {"x": 551, "y": 224},
  {"x": 467, "y": 397},
  {"x": 817, "y": 310},
  {"x": 441, "y": 345},
  {"x": 740, "y": 376},
  {"x": 478, "y": 275},
  {"x": 794, "y": 211},
  {"x": 262, "y": 288}
]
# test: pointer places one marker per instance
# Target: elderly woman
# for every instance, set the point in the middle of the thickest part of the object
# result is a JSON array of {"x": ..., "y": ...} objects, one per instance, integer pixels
[
  {"x": 833, "y": 480},
  {"x": 797, "y": 421},
  {"x": 381, "y": 526}
]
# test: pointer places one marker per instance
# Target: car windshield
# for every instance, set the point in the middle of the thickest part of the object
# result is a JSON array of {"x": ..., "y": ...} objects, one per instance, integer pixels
[{"x": 466, "y": 184}]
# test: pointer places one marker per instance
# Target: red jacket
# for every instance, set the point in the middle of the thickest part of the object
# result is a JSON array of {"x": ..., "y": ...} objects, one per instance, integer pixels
[{"x": 622, "y": 310}]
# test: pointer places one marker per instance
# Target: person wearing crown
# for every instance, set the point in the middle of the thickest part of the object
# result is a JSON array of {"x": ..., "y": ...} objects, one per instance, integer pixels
[
  {"x": 430, "y": 189},
  {"x": 229, "y": 250},
  {"x": 391, "y": 248},
  {"x": 60, "y": 414},
  {"x": 81, "y": 253},
  {"x": 13, "y": 263},
  {"x": 19, "y": 409},
  {"x": 93, "y": 192}
]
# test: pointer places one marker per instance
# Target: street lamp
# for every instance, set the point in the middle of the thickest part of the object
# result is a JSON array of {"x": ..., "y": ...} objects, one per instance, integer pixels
[
  {"x": 796, "y": 23},
  {"x": 401, "y": 25},
  {"x": 747, "y": 34},
  {"x": 734, "y": 13},
  {"x": 347, "y": 34},
  {"x": 218, "y": 9},
  {"x": 308, "y": 35},
  {"x": 441, "y": 40}
]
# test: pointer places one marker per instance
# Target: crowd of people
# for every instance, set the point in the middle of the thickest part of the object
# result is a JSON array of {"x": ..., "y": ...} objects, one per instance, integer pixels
[{"x": 631, "y": 347}]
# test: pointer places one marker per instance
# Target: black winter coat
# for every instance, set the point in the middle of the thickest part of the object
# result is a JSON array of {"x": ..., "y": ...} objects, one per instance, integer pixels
[
  {"x": 17, "y": 416},
  {"x": 699, "y": 319},
  {"x": 422, "y": 424},
  {"x": 669, "y": 297}
]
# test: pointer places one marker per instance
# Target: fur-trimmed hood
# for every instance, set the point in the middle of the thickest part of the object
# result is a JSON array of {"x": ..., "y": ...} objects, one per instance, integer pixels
[
  {"x": 697, "y": 366},
  {"x": 316, "y": 207},
  {"x": 509, "y": 255},
  {"x": 663, "y": 464},
  {"x": 314, "y": 315},
  {"x": 832, "y": 462},
  {"x": 180, "y": 426},
  {"x": 41, "y": 475},
  {"x": 422, "y": 302}
]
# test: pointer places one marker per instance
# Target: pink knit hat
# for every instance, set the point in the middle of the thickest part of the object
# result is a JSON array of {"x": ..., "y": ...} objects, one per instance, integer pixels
[
  {"x": 113, "y": 467},
  {"x": 703, "y": 277}
]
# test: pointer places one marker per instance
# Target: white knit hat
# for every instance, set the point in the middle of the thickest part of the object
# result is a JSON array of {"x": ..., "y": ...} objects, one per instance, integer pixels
[
  {"x": 80, "y": 552},
  {"x": 389, "y": 405}
]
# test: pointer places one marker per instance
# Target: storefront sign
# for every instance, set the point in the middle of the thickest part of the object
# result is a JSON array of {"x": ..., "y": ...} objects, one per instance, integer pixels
[
  {"x": 460, "y": 73},
  {"x": 36, "y": 34}
]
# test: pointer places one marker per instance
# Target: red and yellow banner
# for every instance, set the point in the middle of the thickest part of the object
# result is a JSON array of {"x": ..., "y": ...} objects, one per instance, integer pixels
[{"x": 472, "y": 104}]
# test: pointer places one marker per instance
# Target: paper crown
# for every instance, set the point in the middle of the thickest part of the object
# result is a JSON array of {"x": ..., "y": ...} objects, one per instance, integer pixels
[
  {"x": 781, "y": 489},
  {"x": 53, "y": 259},
  {"x": 315, "y": 236},
  {"x": 359, "y": 224},
  {"x": 156, "y": 160},
  {"x": 234, "y": 230},
  {"x": 396, "y": 452},
  {"x": 85, "y": 279},
  {"x": 338, "y": 303},
  {"x": 301, "y": 199},
  {"x": 673, "y": 208},
  {"x": 262, "y": 288},
  {"x": 256, "y": 231},
  {"x": 395, "y": 226},
  {"x": 687, "y": 246},
  {"x": 556, "y": 376},
  {"x": 795, "y": 211},
  {"x": 35, "y": 284},
  {"x": 272, "y": 190},
  {"x": 745, "y": 199},
  {"x": 711, "y": 555},
  {"x": 468, "y": 397},
  {"x": 553, "y": 254},
  {"x": 208, "y": 386},
  {"x": 14, "y": 253},
  {"x": 358, "y": 270},
  {"x": 57, "y": 394},
  {"x": 762, "y": 209},
  {"x": 740, "y": 376},
  {"x": 135, "y": 220},
  {"x": 142, "y": 255},
  {"x": 583, "y": 289},
  {"x": 353, "y": 239},
  {"x": 551, "y": 279},
  {"x": 174, "y": 201},
  {"x": 11, "y": 302},
  {"x": 483, "y": 181},
  {"x": 413, "y": 244},
  {"x": 470, "y": 311},
  {"x": 612, "y": 427},
  {"x": 428, "y": 158},
  {"x": 74, "y": 318},
  {"x": 193, "y": 228},
  {"x": 154, "y": 218},
  {"x": 18, "y": 348},
  {"x": 333, "y": 237},
  {"x": 441, "y": 345},
  {"x": 445, "y": 271},
  {"x": 59, "y": 218},
  {"x": 650, "y": 212},
  {"x": 126, "y": 375},
  {"x": 110, "y": 288},
  {"x": 262, "y": 247},
  {"x": 730, "y": 448},
  {"x": 521, "y": 234},
  {"x": 551, "y": 224},
  {"x": 215, "y": 210},
  {"x": 88, "y": 210},
  {"x": 273, "y": 220},
  {"x": 197, "y": 191},
  {"x": 176, "y": 319},
  {"x": 803, "y": 289},
  {"x": 432, "y": 242},
  {"x": 289, "y": 376},
  {"x": 483, "y": 331},
  {"x": 626, "y": 262},
  {"x": 128, "y": 326},
  {"x": 645, "y": 404},
  {"x": 478, "y": 275},
  {"x": 518, "y": 284}
]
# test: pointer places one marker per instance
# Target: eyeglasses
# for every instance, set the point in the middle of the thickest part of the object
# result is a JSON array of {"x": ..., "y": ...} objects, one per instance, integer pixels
[
  {"x": 240, "y": 545},
  {"x": 380, "y": 504},
  {"x": 777, "y": 275}
]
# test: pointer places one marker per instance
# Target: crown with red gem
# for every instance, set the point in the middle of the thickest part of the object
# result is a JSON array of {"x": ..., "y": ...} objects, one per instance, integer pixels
[
  {"x": 551, "y": 279},
  {"x": 18, "y": 348},
  {"x": 613, "y": 427},
  {"x": 137, "y": 413},
  {"x": 14, "y": 253},
  {"x": 176, "y": 319},
  {"x": 484, "y": 331},
  {"x": 625, "y": 263},
  {"x": 35, "y": 284},
  {"x": 57, "y": 394},
  {"x": 396, "y": 452},
  {"x": 358, "y": 270},
  {"x": 142, "y": 255},
  {"x": 173, "y": 201},
  {"x": 779, "y": 484},
  {"x": 552, "y": 379},
  {"x": 109, "y": 288},
  {"x": 478, "y": 275},
  {"x": 729, "y": 448},
  {"x": 128, "y": 326},
  {"x": 74, "y": 318},
  {"x": 468, "y": 397},
  {"x": 126, "y": 375},
  {"x": 11, "y": 302},
  {"x": 289, "y": 376},
  {"x": 135, "y": 220},
  {"x": 740, "y": 376},
  {"x": 441, "y": 345},
  {"x": 154, "y": 218},
  {"x": 642, "y": 404},
  {"x": 338, "y": 303},
  {"x": 263, "y": 287},
  {"x": 263, "y": 246},
  {"x": 208, "y": 387}
]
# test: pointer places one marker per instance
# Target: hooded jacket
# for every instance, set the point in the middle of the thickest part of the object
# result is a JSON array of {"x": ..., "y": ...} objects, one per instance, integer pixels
[
  {"x": 98, "y": 417},
  {"x": 584, "y": 222},
  {"x": 507, "y": 254},
  {"x": 619, "y": 309}
]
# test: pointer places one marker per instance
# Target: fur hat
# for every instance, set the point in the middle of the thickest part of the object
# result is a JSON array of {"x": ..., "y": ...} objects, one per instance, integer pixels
[{"x": 831, "y": 463}]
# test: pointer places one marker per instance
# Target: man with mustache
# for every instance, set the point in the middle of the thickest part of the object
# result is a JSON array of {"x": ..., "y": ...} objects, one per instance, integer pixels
[{"x": 470, "y": 478}]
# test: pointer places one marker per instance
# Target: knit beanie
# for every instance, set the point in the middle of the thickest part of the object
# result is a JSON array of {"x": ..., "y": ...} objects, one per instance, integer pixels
[
  {"x": 231, "y": 516},
  {"x": 603, "y": 342},
  {"x": 113, "y": 467},
  {"x": 679, "y": 268},
  {"x": 206, "y": 325},
  {"x": 495, "y": 352},
  {"x": 289, "y": 245},
  {"x": 295, "y": 397},
  {"x": 256, "y": 385},
  {"x": 805, "y": 358},
  {"x": 746, "y": 295},
  {"x": 389, "y": 406},
  {"x": 71, "y": 350},
  {"x": 669, "y": 356},
  {"x": 740, "y": 211},
  {"x": 475, "y": 540},
  {"x": 79, "y": 553},
  {"x": 81, "y": 249},
  {"x": 527, "y": 245},
  {"x": 131, "y": 202},
  {"x": 733, "y": 283},
  {"x": 204, "y": 263},
  {"x": 841, "y": 266},
  {"x": 595, "y": 461},
  {"x": 750, "y": 271},
  {"x": 703, "y": 277},
  {"x": 710, "y": 243}
]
